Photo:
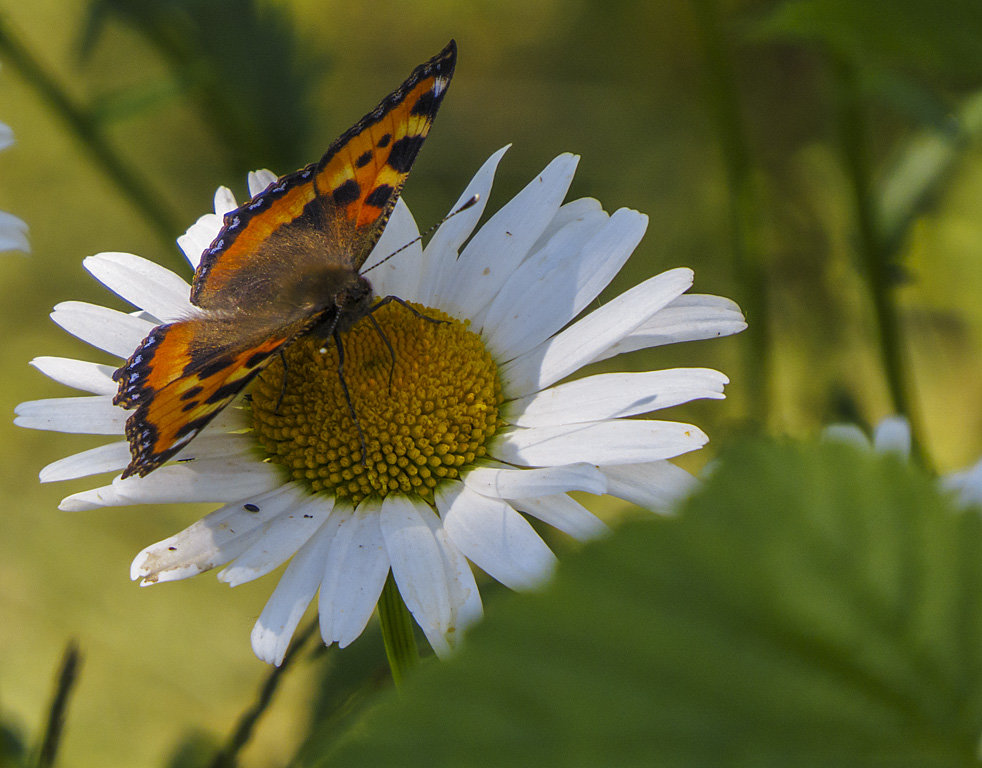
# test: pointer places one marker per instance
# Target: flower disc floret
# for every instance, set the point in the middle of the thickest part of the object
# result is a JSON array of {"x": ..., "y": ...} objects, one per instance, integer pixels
[{"x": 426, "y": 409}]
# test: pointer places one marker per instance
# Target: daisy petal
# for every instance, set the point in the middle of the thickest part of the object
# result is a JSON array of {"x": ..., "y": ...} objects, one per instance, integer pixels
[
  {"x": 614, "y": 395},
  {"x": 426, "y": 579},
  {"x": 80, "y": 374},
  {"x": 600, "y": 443},
  {"x": 215, "y": 539},
  {"x": 6, "y": 136},
  {"x": 966, "y": 484},
  {"x": 691, "y": 317},
  {"x": 568, "y": 212},
  {"x": 355, "y": 569},
  {"x": 494, "y": 537},
  {"x": 278, "y": 540},
  {"x": 587, "y": 338},
  {"x": 535, "y": 302},
  {"x": 272, "y": 633},
  {"x": 94, "y": 415},
  {"x": 13, "y": 233},
  {"x": 563, "y": 514},
  {"x": 657, "y": 486},
  {"x": 199, "y": 236},
  {"x": 514, "y": 483},
  {"x": 892, "y": 435},
  {"x": 504, "y": 241},
  {"x": 86, "y": 501},
  {"x": 225, "y": 201},
  {"x": 142, "y": 283},
  {"x": 259, "y": 180},
  {"x": 400, "y": 275},
  {"x": 106, "y": 458},
  {"x": 107, "y": 329},
  {"x": 226, "y": 478},
  {"x": 440, "y": 254}
]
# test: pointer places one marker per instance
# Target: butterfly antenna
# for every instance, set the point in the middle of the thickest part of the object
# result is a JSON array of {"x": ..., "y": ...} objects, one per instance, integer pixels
[{"x": 469, "y": 204}]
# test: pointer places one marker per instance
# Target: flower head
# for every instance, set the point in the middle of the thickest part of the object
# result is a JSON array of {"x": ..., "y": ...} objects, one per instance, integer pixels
[{"x": 445, "y": 430}]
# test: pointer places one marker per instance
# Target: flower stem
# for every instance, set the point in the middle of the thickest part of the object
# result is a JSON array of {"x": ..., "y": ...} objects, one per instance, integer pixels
[
  {"x": 397, "y": 632},
  {"x": 746, "y": 247},
  {"x": 87, "y": 129},
  {"x": 67, "y": 678},
  {"x": 877, "y": 259}
]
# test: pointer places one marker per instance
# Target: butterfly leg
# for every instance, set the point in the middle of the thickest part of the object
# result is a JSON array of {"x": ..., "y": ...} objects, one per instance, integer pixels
[
  {"x": 388, "y": 345},
  {"x": 347, "y": 396},
  {"x": 402, "y": 302},
  {"x": 279, "y": 400}
]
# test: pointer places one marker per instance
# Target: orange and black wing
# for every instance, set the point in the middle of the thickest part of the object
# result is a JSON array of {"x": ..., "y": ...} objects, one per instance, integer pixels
[
  {"x": 183, "y": 375},
  {"x": 331, "y": 211}
]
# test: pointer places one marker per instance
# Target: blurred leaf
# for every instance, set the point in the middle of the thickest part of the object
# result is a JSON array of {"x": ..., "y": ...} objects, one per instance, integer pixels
[
  {"x": 250, "y": 71},
  {"x": 911, "y": 35},
  {"x": 812, "y": 606},
  {"x": 13, "y": 749},
  {"x": 921, "y": 170}
]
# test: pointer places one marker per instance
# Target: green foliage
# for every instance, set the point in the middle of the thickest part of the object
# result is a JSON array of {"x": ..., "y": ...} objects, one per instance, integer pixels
[{"x": 813, "y": 605}]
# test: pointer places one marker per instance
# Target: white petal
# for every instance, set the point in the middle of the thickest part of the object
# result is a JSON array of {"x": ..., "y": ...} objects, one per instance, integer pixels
[
  {"x": 214, "y": 539},
  {"x": 966, "y": 484},
  {"x": 222, "y": 479},
  {"x": 86, "y": 501},
  {"x": 224, "y": 201},
  {"x": 6, "y": 136},
  {"x": 277, "y": 540},
  {"x": 115, "y": 332},
  {"x": 272, "y": 633},
  {"x": 658, "y": 486},
  {"x": 144, "y": 284},
  {"x": 613, "y": 395},
  {"x": 494, "y": 537},
  {"x": 892, "y": 435},
  {"x": 504, "y": 241},
  {"x": 199, "y": 236},
  {"x": 440, "y": 254},
  {"x": 564, "y": 514},
  {"x": 13, "y": 233},
  {"x": 537, "y": 298},
  {"x": 106, "y": 458},
  {"x": 691, "y": 317},
  {"x": 355, "y": 569},
  {"x": 587, "y": 338},
  {"x": 427, "y": 580},
  {"x": 80, "y": 374},
  {"x": 601, "y": 443},
  {"x": 846, "y": 433},
  {"x": 568, "y": 212},
  {"x": 517, "y": 483},
  {"x": 94, "y": 415},
  {"x": 259, "y": 180},
  {"x": 399, "y": 275}
]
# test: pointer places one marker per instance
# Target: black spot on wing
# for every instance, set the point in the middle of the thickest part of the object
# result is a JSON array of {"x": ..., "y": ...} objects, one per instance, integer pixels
[
  {"x": 404, "y": 152},
  {"x": 426, "y": 104},
  {"x": 380, "y": 195},
  {"x": 364, "y": 159},
  {"x": 192, "y": 393},
  {"x": 347, "y": 192},
  {"x": 384, "y": 141}
]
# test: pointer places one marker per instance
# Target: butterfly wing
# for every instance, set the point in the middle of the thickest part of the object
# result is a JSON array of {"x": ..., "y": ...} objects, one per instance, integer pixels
[
  {"x": 277, "y": 266},
  {"x": 331, "y": 213},
  {"x": 184, "y": 374}
]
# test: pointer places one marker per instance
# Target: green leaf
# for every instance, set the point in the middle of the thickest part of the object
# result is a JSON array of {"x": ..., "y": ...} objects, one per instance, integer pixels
[{"x": 812, "y": 606}]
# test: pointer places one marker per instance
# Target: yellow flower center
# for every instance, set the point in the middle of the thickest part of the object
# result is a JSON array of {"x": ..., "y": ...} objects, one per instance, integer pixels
[{"x": 426, "y": 409}]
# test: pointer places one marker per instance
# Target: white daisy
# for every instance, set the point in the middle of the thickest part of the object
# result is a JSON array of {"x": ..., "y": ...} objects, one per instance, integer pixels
[
  {"x": 892, "y": 435},
  {"x": 467, "y": 430},
  {"x": 13, "y": 231}
]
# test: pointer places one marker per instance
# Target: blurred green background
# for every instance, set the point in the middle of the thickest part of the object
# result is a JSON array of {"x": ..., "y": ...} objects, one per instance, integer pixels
[{"x": 774, "y": 145}]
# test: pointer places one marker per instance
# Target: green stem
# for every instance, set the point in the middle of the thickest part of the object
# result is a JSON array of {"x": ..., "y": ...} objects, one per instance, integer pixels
[
  {"x": 744, "y": 208},
  {"x": 227, "y": 757},
  {"x": 877, "y": 260},
  {"x": 67, "y": 678},
  {"x": 137, "y": 190},
  {"x": 397, "y": 632}
]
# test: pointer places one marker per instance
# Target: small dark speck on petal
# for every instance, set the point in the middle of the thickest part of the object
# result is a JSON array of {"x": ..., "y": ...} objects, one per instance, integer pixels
[
  {"x": 172, "y": 549},
  {"x": 250, "y": 507}
]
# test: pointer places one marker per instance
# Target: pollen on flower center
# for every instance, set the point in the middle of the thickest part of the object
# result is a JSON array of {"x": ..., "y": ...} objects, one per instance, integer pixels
[{"x": 426, "y": 409}]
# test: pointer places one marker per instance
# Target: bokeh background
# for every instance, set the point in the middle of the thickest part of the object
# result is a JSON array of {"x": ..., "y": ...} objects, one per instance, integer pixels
[{"x": 777, "y": 147}]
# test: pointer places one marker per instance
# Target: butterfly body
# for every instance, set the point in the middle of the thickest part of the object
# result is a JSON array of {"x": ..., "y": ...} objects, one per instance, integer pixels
[{"x": 286, "y": 263}]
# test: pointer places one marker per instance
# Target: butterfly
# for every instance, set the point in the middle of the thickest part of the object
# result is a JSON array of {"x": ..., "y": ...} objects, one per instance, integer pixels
[{"x": 284, "y": 264}]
